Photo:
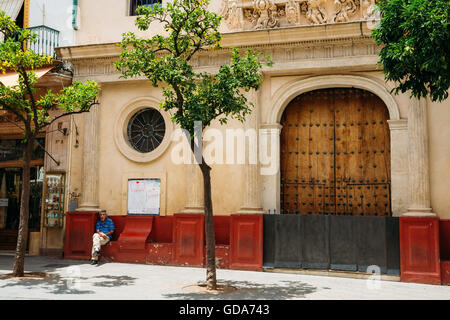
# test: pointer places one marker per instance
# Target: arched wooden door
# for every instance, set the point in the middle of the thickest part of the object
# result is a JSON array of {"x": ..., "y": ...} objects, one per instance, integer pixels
[{"x": 335, "y": 154}]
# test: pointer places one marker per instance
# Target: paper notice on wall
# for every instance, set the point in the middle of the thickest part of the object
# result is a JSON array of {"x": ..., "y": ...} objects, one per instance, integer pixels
[{"x": 144, "y": 196}]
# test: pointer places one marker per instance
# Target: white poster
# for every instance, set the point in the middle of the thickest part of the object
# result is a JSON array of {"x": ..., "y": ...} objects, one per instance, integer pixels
[{"x": 144, "y": 196}]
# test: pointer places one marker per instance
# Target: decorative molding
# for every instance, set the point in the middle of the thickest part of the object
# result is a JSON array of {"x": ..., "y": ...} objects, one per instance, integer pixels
[
  {"x": 242, "y": 15},
  {"x": 284, "y": 95},
  {"x": 296, "y": 49},
  {"x": 101, "y": 69},
  {"x": 265, "y": 14},
  {"x": 400, "y": 124}
]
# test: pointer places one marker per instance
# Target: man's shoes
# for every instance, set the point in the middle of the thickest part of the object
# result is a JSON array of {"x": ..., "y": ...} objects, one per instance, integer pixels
[{"x": 93, "y": 262}]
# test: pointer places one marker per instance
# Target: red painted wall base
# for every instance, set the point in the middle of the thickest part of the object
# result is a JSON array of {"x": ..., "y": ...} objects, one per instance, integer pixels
[
  {"x": 445, "y": 272},
  {"x": 176, "y": 240},
  {"x": 419, "y": 250},
  {"x": 246, "y": 240},
  {"x": 79, "y": 230}
]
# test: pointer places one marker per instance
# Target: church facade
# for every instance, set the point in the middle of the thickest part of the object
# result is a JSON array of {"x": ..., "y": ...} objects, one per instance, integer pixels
[{"x": 332, "y": 141}]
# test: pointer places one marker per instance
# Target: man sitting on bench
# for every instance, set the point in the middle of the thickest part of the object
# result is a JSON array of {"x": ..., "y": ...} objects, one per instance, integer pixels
[{"x": 103, "y": 234}]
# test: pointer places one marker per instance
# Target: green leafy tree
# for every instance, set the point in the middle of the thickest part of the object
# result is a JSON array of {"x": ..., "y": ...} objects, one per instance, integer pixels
[
  {"x": 415, "y": 36},
  {"x": 189, "y": 95},
  {"x": 34, "y": 109}
]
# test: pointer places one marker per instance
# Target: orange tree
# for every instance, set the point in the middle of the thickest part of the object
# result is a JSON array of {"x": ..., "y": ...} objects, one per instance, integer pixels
[
  {"x": 33, "y": 110},
  {"x": 415, "y": 39},
  {"x": 192, "y": 97}
]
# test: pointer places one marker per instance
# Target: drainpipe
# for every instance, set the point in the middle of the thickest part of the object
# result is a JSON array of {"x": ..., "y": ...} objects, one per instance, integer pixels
[
  {"x": 74, "y": 14},
  {"x": 26, "y": 18}
]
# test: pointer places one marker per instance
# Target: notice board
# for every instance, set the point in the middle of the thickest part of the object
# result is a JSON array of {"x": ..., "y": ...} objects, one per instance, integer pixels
[{"x": 144, "y": 196}]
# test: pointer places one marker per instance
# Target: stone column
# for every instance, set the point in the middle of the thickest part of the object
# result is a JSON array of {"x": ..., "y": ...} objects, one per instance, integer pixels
[
  {"x": 419, "y": 170},
  {"x": 270, "y": 166},
  {"x": 399, "y": 166},
  {"x": 194, "y": 189},
  {"x": 251, "y": 203},
  {"x": 89, "y": 193}
]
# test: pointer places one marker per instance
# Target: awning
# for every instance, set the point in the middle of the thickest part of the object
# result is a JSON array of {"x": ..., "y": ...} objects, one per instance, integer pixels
[
  {"x": 10, "y": 79},
  {"x": 11, "y": 7}
]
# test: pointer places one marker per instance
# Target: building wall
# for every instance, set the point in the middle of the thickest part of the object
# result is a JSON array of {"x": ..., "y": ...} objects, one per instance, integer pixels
[
  {"x": 342, "y": 49},
  {"x": 115, "y": 168},
  {"x": 115, "y": 20},
  {"x": 439, "y": 129}
]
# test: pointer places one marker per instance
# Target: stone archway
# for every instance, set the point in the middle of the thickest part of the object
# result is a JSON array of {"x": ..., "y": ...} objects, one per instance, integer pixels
[
  {"x": 335, "y": 154},
  {"x": 398, "y": 134},
  {"x": 284, "y": 95}
]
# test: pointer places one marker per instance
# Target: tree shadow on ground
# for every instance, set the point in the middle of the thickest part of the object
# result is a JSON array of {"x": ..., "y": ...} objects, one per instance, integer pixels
[
  {"x": 57, "y": 276},
  {"x": 248, "y": 290},
  {"x": 56, "y": 284},
  {"x": 53, "y": 283},
  {"x": 114, "y": 281},
  {"x": 39, "y": 263}
]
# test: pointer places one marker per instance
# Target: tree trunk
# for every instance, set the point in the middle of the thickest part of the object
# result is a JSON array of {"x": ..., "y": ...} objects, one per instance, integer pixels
[
  {"x": 211, "y": 282},
  {"x": 22, "y": 237}
]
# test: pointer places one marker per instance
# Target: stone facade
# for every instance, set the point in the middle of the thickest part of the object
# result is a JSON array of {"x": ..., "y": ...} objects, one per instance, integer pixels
[
  {"x": 315, "y": 44},
  {"x": 262, "y": 14}
]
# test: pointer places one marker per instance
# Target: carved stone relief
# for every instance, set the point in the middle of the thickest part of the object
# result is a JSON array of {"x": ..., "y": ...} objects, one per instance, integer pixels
[
  {"x": 292, "y": 11},
  {"x": 233, "y": 15},
  {"x": 315, "y": 11},
  {"x": 263, "y": 14},
  {"x": 345, "y": 9},
  {"x": 266, "y": 14},
  {"x": 368, "y": 10}
]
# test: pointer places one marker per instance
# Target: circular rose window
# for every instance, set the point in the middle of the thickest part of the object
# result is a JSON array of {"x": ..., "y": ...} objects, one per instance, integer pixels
[{"x": 146, "y": 130}]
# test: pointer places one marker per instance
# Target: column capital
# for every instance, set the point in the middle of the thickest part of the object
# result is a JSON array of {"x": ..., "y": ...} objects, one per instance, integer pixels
[
  {"x": 400, "y": 124},
  {"x": 269, "y": 126},
  {"x": 251, "y": 211}
]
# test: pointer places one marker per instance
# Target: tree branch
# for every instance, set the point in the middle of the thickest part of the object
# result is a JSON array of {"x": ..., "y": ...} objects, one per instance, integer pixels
[
  {"x": 45, "y": 124},
  {"x": 33, "y": 101},
  {"x": 51, "y": 157},
  {"x": 13, "y": 122}
]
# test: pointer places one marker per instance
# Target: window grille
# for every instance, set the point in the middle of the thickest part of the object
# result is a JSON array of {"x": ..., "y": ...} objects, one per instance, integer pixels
[
  {"x": 146, "y": 130},
  {"x": 147, "y": 3}
]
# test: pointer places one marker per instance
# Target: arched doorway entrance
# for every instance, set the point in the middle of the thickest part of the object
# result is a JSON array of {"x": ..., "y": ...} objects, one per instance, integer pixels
[
  {"x": 335, "y": 183},
  {"x": 335, "y": 154}
]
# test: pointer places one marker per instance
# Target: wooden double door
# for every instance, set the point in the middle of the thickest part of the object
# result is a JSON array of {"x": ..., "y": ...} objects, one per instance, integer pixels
[{"x": 335, "y": 154}]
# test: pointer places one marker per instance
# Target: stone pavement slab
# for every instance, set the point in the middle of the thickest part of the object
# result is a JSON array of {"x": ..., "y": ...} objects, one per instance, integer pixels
[{"x": 78, "y": 280}]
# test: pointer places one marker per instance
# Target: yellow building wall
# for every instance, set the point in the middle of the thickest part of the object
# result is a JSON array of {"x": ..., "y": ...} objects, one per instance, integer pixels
[{"x": 228, "y": 180}]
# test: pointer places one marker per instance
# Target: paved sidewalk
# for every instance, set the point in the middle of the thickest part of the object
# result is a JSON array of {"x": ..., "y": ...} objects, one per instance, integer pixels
[{"x": 75, "y": 279}]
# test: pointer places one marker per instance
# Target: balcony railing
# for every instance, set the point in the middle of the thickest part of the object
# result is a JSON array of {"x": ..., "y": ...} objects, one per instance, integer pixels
[{"x": 48, "y": 40}]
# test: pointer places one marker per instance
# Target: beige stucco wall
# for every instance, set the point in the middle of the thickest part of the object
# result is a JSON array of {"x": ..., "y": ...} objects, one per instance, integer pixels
[
  {"x": 115, "y": 168},
  {"x": 228, "y": 183},
  {"x": 228, "y": 180},
  {"x": 302, "y": 53},
  {"x": 439, "y": 130},
  {"x": 114, "y": 20}
]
